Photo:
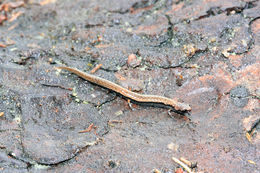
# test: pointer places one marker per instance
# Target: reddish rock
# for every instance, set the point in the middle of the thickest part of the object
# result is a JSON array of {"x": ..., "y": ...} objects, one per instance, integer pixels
[
  {"x": 250, "y": 121},
  {"x": 133, "y": 61}
]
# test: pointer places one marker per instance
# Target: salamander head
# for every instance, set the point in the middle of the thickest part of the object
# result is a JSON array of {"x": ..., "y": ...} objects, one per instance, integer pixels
[{"x": 182, "y": 106}]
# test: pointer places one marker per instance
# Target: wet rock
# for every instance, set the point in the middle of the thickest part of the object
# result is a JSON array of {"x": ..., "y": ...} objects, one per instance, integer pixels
[
  {"x": 10, "y": 142},
  {"x": 250, "y": 121},
  {"x": 10, "y": 106},
  {"x": 7, "y": 161},
  {"x": 132, "y": 84},
  {"x": 239, "y": 96},
  {"x": 52, "y": 124}
]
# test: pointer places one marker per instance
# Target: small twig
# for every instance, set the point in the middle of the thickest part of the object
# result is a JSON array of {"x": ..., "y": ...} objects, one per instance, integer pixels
[
  {"x": 2, "y": 114},
  {"x": 88, "y": 129},
  {"x": 111, "y": 122},
  {"x": 96, "y": 68},
  {"x": 3, "y": 45},
  {"x": 189, "y": 163},
  {"x": 115, "y": 121},
  {"x": 182, "y": 164},
  {"x": 59, "y": 86},
  {"x": 156, "y": 171}
]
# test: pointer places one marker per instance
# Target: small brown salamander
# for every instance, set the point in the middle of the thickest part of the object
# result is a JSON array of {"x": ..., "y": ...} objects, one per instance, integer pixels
[{"x": 179, "y": 106}]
